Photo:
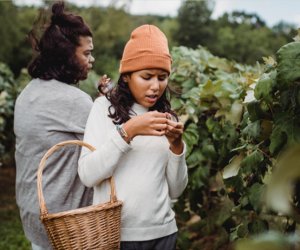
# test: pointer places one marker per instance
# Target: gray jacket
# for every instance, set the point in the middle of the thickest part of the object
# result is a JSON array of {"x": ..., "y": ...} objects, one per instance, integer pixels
[{"x": 48, "y": 112}]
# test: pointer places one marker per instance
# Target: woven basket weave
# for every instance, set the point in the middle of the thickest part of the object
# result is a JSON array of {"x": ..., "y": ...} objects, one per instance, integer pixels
[{"x": 91, "y": 227}]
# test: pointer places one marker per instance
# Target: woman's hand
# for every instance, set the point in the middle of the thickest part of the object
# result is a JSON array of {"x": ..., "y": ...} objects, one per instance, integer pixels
[
  {"x": 157, "y": 124},
  {"x": 173, "y": 133},
  {"x": 104, "y": 85},
  {"x": 150, "y": 123}
]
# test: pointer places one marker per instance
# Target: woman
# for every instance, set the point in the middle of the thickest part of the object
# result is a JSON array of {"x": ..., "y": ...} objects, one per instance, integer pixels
[
  {"x": 49, "y": 110},
  {"x": 139, "y": 141}
]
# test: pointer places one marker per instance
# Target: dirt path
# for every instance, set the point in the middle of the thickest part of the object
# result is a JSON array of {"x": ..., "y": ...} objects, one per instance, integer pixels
[
  {"x": 7, "y": 188},
  {"x": 11, "y": 232}
]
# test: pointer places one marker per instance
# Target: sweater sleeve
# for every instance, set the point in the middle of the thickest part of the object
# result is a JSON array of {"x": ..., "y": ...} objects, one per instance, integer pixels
[
  {"x": 176, "y": 173},
  {"x": 96, "y": 166},
  {"x": 78, "y": 114}
]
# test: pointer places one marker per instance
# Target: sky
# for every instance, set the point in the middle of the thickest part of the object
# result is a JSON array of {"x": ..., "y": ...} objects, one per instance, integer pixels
[{"x": 271, "y": 11}]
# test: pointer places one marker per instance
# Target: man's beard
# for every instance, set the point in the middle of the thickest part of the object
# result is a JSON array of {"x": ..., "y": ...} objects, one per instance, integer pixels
[{"x": 83, "y": 73}]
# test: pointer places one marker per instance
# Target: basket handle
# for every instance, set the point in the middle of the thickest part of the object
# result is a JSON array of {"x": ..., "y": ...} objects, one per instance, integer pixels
[{"x": 43, "y": 208}]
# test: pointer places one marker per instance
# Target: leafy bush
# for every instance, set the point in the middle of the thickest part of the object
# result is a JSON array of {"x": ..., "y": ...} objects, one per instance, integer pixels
[
  {"x": 237, "y": 119},
  {"x": 8, "y": 93}
]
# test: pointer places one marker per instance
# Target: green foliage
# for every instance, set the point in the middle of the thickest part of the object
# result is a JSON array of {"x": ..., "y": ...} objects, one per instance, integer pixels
[
  {"x": 264, "y": 87},
  {"x": 90, "y": 84},
  {"x": 238, "y": 118},
  {"x": 194, "y": 23},
  {"x": 12, "y": 235},
  {"x": 246, "y": 32},
  {"x": 288, "y": 64},
  {"x": 8, "y": 30},
  {"x": 282, "y": 193},
  {"x": 269, "y": 241},
  {"x": 8, "y": 92},
  {"x": 15, "y": 23},
  {"x": 239, "y": 36},
  {"x": 211, "y": 104}
]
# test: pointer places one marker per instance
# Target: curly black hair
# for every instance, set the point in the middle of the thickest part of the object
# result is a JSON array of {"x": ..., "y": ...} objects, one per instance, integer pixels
[{"x": 56, "y": 47}]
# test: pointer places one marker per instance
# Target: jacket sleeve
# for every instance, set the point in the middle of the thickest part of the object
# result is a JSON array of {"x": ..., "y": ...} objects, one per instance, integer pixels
[
  {"x": 176, "y": 172},
  {"x": 96, "y": 166}
]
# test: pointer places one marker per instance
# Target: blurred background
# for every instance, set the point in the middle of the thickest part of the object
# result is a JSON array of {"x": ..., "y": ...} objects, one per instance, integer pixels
[
  {"x": 230, "y": 59},
  {"x": 242, "y": 30}
]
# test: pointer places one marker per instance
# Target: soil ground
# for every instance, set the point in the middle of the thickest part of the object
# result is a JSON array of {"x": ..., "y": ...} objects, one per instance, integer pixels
[{"x": 11, "y": 232}]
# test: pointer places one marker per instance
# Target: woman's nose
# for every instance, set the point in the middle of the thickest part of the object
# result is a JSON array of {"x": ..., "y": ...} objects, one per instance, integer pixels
[{"x": 155, "y": 84}]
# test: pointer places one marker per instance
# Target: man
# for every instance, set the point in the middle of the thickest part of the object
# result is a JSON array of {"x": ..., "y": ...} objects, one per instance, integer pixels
[{"x": 50, "y": 110}]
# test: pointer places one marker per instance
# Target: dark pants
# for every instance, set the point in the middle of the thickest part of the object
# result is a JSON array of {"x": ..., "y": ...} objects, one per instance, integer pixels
[{"x": 164, "y": 243}]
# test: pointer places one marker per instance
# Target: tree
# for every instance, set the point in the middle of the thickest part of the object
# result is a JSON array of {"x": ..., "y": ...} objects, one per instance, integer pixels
[
  {"x": 285, "y": 29},
  {"x": 22, "y": 52},
  {"x": 8, "y": 30},
  {"x": 241, "y": 17},
  {"x": 195, "y": 25},
  {"x": 244, "y": 38},
  {"x": 15, "y": 23}
]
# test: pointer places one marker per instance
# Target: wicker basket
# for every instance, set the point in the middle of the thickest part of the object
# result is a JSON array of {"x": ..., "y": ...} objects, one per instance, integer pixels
[{"x": 91, "y": 227}]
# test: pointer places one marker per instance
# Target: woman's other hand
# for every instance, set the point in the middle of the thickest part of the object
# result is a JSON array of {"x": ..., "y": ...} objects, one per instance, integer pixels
[{"x": 174, "y": 131}]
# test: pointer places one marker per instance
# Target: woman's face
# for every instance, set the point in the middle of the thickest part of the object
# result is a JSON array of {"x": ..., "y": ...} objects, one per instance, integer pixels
[
  {"x": 147, "y": 86},
  {"x": 84, "y": 55}
]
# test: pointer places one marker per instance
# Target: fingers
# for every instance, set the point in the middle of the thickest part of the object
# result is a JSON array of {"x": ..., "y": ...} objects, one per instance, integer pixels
[
  {"x": 155, "y": 117},
  {"x": 104, "y": 80},
  {"x": 159, "y": 132},
  {"x": 160, "y": 126},
  {"x": 174, "y": 129},
  {"x": 173, "y": 134},
  {"x": 175, "y": 125},
  {"x": 158, "y": 114},
  {"x": 161, "y": 121},
  {"x": 158, "y": 123},
  {"x": 104, "y": 85}
]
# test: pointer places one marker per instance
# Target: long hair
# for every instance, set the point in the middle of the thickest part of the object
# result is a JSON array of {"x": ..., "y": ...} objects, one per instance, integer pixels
[
  {"x": 122, "y": 100},
  {"x": 56, "y": 47}
]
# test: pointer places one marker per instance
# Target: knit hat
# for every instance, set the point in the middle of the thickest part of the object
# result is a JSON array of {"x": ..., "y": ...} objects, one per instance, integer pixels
[{"x": 146, "y": 49}]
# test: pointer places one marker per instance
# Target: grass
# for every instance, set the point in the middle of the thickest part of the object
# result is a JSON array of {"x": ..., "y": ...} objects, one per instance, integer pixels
[{"x": 11, "y": 232}]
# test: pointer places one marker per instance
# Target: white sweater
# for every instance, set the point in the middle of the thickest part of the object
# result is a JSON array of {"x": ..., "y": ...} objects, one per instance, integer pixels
[{"x": 147, "y": 175}]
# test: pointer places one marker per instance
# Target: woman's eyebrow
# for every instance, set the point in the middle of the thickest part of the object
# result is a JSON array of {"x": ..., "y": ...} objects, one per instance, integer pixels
[{"x": 148, "y": 73}]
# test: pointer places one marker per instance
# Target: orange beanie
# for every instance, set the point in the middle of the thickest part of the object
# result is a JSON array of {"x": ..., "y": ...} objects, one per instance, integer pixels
[{"x": 146, "y": 49}]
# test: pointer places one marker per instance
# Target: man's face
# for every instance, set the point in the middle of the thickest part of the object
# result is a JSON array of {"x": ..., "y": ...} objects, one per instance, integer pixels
[{"x": 84, "y": 54}]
